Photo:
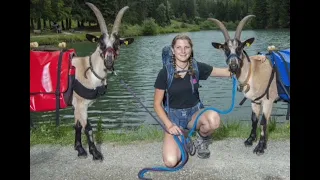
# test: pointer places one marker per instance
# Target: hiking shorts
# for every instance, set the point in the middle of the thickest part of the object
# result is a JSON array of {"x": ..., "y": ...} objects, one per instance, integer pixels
[{"x": 181, "y": 117}]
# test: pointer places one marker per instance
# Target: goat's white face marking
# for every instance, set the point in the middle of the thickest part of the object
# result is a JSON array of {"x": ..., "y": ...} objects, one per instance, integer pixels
[
  {"x": 233, "y": 52},
  {"x": 108, "y": 50}
]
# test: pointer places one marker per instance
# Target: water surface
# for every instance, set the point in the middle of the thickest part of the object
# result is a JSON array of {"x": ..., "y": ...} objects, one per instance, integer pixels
[{"x": 139, "y": 64}]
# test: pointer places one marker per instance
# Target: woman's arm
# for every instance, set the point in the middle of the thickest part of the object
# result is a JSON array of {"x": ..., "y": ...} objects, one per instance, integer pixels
[
  {"x": 224, "y": 72},
  {"x": 261, "y": 58},
  {"x": 157, "y": 105},
  {"x": 220, "y": 72}
]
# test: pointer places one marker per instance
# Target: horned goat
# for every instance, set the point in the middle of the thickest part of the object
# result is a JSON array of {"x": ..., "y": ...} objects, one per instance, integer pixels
[
  {"x": 91, "y": 78},
  {"x": 254, "y": 77}
]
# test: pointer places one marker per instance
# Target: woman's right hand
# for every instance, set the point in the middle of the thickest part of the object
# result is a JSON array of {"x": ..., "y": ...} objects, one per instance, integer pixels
[{"x": 175, "y": 130}]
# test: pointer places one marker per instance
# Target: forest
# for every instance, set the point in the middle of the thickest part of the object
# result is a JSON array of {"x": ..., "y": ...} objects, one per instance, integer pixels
[{"x": 75, "y": 14}]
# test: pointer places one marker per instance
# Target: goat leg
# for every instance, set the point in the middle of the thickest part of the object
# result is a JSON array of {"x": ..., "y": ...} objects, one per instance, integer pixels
[
  {"x": 253, "y": 135},
  {"x": 92, "y": 147},
  {"x": 77, "y": 144},
  {"x": 259, "y": 149}
]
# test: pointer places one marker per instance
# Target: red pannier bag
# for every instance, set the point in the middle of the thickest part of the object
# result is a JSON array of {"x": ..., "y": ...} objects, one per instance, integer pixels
[{"x": 51, "y": 77}]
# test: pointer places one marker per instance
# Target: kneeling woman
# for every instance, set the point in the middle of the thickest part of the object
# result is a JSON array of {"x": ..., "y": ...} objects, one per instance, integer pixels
[{"x": 185, "y": 105}]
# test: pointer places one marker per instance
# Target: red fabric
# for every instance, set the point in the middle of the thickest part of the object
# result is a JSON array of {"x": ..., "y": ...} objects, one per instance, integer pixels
[{"x": 43, "y": 79}]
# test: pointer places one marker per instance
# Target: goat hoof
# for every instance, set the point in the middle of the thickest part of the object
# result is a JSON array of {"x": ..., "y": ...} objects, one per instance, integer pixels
[
  {"x": 259, "y": 149},
  {"x": 96, "y": 155},
  {"x": 248, "y": 142},
  {"x": 81, "y": 152}
]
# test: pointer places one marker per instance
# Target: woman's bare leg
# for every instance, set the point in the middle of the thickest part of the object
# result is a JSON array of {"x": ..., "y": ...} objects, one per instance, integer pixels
[
  {"x": 207, "y": 123},
  {"x": 170, "y": 151}
]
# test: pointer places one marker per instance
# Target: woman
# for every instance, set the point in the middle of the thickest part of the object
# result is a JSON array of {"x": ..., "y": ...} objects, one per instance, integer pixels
[{"x": 185, "y": 105}]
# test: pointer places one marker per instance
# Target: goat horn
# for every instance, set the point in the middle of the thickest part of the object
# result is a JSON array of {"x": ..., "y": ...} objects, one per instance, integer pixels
[
  {"x": 240, "y": 26},
  {"x": 102, "y": 23},
  {"x": 222, "y": 27},
  {"x": 117, "y": 22}
]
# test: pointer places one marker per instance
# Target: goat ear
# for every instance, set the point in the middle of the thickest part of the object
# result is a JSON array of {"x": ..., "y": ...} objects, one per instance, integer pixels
[
  {"x": 91, "y": 38},
  {"x": 248, "y": 42},
  {"x": 217, "y": 45},
  {"x": 126, "y": 41}
]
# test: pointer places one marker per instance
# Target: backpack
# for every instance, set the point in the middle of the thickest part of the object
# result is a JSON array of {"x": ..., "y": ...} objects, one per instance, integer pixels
[
  {"x": 51, "y": 78},
  {"x": 167, "y": 63},
  {"x": 280, "y": 60}
]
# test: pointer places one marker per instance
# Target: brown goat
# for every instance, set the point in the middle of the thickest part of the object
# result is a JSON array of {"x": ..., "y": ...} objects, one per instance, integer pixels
[
  {"x": 256, "y": 80},
  {"x": 91, "y": 77}
]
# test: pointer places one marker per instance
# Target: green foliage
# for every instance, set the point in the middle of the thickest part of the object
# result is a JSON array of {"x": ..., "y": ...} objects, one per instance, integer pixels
[
  {"x": 184, "y": 18},
  {"x": 230, "y": 25},
  {"x": 149, "y": 27},
  {"x": 50, "y": 134},
  {"x": 183, "y": 25},
  {"x": 161, "y": 17},
  {"x": 131, "y": 30},
  {"x": 269, "y": 13},
  {"x": 207, "y": 25},
  {"x": 99, "y": 133},
  {"x": 197, "y": 20},
  {"x": 56, "y": 39}
]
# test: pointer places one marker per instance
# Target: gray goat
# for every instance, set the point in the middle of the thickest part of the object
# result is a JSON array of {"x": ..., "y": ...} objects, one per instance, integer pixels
[
  {"x": 91, "y": 78},
  {"x": 254, "y": 77}
]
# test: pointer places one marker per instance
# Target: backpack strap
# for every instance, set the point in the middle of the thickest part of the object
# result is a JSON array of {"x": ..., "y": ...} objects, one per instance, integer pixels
[
  {"x": 170, "y": 73},
  {"x": 195, "y": 66}
]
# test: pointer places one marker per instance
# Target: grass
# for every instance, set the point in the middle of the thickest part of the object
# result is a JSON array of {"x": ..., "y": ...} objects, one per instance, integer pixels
[{"x": 64, "y": 135}]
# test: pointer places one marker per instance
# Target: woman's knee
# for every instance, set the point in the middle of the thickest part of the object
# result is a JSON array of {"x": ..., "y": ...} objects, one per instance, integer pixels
[
  {"x": 170, "y": 161},
  {"x": 213, "y": 120},
  {"x": 171, "y": 154}
]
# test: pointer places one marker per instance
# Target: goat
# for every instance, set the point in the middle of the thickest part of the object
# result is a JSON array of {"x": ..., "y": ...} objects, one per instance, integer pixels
[
  {"x": 254, "y": 78},
  {"x": 91, "y": 78}
]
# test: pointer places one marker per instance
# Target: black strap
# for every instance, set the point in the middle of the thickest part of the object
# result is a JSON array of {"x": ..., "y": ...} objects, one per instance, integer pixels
[
  {"x": 58, "y": 88},
  {"x": 288, "y": 112},
  {"x": 242, "y": 101},
  {"x": 245, "y": 53},
  {"x": 88, "y": 93},
  {"x": 267, "y": 90}
]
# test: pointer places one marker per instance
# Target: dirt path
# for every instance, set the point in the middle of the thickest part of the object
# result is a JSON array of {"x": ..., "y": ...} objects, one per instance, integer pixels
[{"x": 229, "y": 160}]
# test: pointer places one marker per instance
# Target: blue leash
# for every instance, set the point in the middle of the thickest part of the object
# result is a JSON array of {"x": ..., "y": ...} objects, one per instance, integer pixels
[
  {"x": 184, "y": 141},
  {"x": 234, "y": 90}
]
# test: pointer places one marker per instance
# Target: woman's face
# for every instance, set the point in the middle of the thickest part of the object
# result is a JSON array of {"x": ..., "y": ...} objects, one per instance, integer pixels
[{"x": 182, "y": 50}]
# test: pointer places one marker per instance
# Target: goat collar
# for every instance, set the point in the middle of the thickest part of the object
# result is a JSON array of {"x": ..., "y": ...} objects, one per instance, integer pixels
[
  {"x": 245, "y": 83},
  {"x": 91, "y": 68}
]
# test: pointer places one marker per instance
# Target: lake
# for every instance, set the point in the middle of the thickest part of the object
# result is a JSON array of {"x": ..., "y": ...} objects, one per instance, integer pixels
[{"x": 139, "y": 64}]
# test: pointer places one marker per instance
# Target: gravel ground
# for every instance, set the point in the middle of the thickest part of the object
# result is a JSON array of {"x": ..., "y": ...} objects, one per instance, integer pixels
[{"x": 230, "y": 159}]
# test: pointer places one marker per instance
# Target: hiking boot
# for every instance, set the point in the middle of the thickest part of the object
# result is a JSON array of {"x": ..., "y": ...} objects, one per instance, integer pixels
[{"x": 202, "y": 144}]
